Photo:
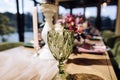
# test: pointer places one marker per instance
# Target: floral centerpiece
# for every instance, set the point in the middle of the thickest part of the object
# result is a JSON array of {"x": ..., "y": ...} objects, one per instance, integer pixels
[
  {"x": 60, "y": 40},
  {"x": 73, "y": 22},
  {"x": 76, "y": 23}
]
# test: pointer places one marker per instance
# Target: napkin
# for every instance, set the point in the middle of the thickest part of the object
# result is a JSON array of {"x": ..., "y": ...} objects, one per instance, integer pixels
[
  {"x": 97, "y": 50},
  {"x": 88, "y": 48}
]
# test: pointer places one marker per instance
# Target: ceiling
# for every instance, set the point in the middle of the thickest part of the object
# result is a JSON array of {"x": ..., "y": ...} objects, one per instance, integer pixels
[{"x": 84, "y": 3}]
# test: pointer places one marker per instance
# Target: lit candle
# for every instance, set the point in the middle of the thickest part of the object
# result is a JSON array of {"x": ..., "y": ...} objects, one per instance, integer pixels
[{"x": 35, "y": 28}]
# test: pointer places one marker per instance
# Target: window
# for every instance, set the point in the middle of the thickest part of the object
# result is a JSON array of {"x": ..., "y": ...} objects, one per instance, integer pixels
[
  {"x": 108, "y": 17},
  {"x": 78, "y": 11},
  {"x": 28, "y": 11},
  {"x": 63, "y": 11},
  {"x": 90, "y": 12},
  {"x": 8, "y": 9}
]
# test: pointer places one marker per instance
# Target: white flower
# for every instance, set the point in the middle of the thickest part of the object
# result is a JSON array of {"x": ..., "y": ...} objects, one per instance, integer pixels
[
  {"x": 85, "y": 24},
  {"x": 59, "y": 28}
]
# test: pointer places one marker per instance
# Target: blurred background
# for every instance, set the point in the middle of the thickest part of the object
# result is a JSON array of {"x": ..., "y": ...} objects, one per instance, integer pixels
[
  {"x": 16, "y": 25},
  {"x": 16, "y": 17}
]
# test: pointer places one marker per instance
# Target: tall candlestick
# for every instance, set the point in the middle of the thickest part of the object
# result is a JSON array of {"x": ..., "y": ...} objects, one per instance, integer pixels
[{"x": 35, "y": 28}]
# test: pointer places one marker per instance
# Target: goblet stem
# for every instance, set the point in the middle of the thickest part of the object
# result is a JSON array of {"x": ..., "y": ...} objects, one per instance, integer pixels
[
  {"x": 61, "y": 75},
  {"x": 61, "y": 67}
]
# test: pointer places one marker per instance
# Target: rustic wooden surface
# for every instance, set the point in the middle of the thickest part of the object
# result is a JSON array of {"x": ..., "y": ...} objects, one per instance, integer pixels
[
  {"x": 97, "y": 64},
  {"x": 92, "y": 64}
]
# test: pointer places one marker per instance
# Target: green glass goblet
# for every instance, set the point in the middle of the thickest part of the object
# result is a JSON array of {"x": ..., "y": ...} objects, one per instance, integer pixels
[{"x": 61, "y": 46}]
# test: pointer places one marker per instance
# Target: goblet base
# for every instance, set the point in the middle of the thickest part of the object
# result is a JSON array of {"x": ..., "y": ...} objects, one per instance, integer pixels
[{"x": 61, "y": 76}]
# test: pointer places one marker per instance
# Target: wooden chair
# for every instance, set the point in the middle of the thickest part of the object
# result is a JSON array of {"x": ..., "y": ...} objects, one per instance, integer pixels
[
  {"x": 116, "y": 59},
  {"x": 112, "y": 40},
  {"x": 114, "y": 49},
  {"x": 106, "y": 34}
]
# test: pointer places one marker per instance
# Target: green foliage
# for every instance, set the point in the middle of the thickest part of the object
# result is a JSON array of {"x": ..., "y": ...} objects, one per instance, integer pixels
[
  {"x": 12, "y": 19},
  {"x": 5, "y": 29},
  {"x": 9, "y": 45},
  {"x": 3, "y": 19},
  {"x": 92, "y": 20}
]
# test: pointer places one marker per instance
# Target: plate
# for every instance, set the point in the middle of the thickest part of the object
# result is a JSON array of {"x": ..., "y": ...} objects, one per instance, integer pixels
[{"x": 95, "y": 38}]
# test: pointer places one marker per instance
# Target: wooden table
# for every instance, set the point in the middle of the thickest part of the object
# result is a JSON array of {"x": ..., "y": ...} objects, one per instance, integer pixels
[
  {"x": 99, "y": 65},
  {"x": 93, "y": 64}
]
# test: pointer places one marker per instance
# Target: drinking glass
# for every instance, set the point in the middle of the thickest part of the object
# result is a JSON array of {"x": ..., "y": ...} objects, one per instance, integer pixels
[{"x": 61, "y": 46}]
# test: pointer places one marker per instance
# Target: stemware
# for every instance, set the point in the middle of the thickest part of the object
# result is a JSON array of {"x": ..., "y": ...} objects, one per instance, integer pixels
[{"x": 61, "y": 46}]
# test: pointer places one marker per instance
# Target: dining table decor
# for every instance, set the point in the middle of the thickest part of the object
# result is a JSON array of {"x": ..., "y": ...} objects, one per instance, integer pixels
[
  {"x": 61, "y": 46},
  {"x": 76, "y": 23},
  {"x": 35, "y": 30},
  {"x": 48, "y": 11}
]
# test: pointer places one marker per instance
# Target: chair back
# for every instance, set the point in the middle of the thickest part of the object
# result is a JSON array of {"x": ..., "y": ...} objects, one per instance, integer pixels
[
  {"x": 117, "y": 57},
  {"x": 114, "y": 49}
]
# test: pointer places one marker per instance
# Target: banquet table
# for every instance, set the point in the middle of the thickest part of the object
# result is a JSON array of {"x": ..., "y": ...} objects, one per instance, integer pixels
[{"x": 90, "y": 63}]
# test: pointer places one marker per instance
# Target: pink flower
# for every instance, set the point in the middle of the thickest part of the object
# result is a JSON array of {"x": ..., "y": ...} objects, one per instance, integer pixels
[{"x": 72, "y": 22}]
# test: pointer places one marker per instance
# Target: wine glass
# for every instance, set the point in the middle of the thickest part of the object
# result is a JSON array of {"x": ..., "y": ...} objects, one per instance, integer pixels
[{"x": 61, "y": 46}]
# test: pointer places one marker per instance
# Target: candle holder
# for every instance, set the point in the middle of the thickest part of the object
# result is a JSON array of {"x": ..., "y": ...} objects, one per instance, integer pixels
[{"x": 48, "y": 10}]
